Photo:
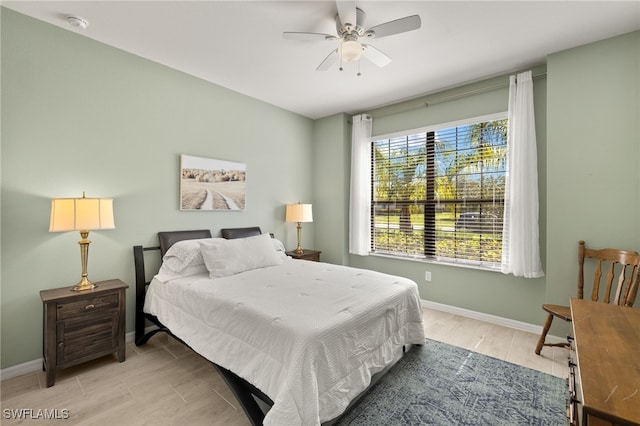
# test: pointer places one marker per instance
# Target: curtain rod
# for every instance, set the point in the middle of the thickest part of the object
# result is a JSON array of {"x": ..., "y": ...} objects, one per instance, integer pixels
[{"x": 446, "y": 96}]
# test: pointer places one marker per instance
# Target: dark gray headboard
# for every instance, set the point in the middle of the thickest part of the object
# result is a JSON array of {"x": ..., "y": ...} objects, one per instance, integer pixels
[
  {"x": 167, "y": 239},
  {"x": 231, "y": 233}
]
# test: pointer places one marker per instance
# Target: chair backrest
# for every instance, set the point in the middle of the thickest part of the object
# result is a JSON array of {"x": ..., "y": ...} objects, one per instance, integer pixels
[{"x": 622, "y": 269}]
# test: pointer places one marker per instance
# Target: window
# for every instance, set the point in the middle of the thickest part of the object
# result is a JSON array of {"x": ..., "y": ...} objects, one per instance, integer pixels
[{"x": 438, "y": 193}]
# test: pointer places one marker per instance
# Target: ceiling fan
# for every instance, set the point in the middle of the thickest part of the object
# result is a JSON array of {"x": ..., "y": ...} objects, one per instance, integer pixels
[{"x": 350, "y": 27}]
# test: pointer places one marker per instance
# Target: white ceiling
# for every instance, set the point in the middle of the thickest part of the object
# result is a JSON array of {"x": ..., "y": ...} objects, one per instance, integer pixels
[{"x": 239, "y": 44}]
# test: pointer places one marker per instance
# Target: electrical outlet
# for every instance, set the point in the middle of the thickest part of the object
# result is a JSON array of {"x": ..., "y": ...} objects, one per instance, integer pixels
[{"x": 427, "y": 275}]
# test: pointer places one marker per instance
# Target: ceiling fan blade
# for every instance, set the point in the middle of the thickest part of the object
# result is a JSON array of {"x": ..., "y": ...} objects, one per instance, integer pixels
[
  {"x": 398, "y": 26},
  {"x": 308, "y": 36},
  {"x": 347, "y": 12},
  {"x": 328, "y": 61},
  {"x": 375, "y": 55}
]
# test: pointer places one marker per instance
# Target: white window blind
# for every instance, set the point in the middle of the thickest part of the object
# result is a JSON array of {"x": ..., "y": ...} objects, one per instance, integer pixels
[{"x": 438, "y": 193}]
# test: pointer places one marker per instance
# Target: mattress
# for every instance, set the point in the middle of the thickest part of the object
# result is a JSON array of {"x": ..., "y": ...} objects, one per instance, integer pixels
[{"x": 309, "y": 335}]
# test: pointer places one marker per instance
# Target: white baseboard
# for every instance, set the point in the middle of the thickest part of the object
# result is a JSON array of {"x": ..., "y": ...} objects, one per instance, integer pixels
[
  {"x": 493, "y": 319},
  {"x": 21, "y": 369},
  {"x": 36, "y": 365}
]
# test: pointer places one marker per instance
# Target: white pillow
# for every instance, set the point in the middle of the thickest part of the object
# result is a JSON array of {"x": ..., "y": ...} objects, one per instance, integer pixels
[
  {"x": 183, "y": 254},
  {"x": 182, "y": 260},
  {"x": 277, "y": 244},
  {"x": 229, "y": 257},
  {"x": 165, "y": 274}
]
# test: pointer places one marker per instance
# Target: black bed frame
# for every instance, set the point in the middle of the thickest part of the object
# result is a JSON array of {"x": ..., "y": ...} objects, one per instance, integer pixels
[{"x": 246, "y": 393}]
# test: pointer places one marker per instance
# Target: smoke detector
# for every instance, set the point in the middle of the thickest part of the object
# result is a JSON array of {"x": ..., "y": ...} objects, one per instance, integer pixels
[{"x": 78, "y": 22}]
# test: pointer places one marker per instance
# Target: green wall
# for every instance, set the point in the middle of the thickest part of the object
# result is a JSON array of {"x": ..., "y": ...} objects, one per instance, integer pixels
[
  {"x": 78, "y": 116},
  {"x": 593, "y": 154},
  {"x": 331, "y": 175}
]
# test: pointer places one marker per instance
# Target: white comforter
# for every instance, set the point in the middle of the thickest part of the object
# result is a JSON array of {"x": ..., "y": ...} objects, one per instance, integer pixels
[{"x": 308, "y": 334}]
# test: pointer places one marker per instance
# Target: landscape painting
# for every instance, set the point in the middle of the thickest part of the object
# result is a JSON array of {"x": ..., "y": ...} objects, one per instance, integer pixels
[{"x": 208, "y": 184}]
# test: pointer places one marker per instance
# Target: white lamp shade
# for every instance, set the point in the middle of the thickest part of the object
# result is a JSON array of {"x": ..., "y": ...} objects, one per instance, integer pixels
[
  {"x": 299, "y": 213},
  {"x": 350, "y": 51},
  {"x": 81, "y": 214}
]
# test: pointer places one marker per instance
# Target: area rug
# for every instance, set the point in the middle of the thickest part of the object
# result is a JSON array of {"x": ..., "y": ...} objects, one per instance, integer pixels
[{"x": 440, "y": 384}]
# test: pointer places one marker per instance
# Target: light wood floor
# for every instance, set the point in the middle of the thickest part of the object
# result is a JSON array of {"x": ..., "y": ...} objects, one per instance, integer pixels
[{"x": 165, "y": 383}]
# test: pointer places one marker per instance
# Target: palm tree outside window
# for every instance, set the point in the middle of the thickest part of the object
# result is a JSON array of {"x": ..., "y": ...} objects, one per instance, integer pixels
[{"x": 438, "y": 193}]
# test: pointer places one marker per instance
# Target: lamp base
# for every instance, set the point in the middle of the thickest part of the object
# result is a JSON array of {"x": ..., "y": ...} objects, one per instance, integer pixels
[
  {"x": 299, "y": 229},
  {"x": 84, "y": 284}
]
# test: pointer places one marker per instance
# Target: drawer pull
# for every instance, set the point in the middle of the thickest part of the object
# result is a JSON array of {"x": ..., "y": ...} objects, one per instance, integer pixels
[{"x": 89, "y": 307}]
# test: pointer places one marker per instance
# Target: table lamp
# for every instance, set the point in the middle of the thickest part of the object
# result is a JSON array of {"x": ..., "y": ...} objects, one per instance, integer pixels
[
  {"x": 82, "y": 214},
  {"x": 299, "y": 213}
]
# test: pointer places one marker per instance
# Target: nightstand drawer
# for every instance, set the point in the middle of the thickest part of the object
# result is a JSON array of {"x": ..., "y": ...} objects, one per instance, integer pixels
[
  {"x": 83, "y": 336},
  {"x": 89, "y": 305}
]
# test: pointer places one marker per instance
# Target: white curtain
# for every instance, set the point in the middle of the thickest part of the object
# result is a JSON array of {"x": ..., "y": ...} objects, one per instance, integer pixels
[
  {"x": 520, "y": 244},
  {"x": 360, "y": 200}
]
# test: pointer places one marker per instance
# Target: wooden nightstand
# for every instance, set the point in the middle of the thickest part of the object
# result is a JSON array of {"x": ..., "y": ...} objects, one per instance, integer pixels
[
  {"x": 82, "y": 325},
  {"x": 305, "y": 255}
]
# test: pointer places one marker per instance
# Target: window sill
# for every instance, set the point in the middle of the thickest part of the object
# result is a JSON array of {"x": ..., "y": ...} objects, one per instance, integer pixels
[{"x": 439, "y": 262}]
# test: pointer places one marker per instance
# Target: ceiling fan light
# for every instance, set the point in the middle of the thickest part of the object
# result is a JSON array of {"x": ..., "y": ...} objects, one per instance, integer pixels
[{"x": 350, "y": 51}]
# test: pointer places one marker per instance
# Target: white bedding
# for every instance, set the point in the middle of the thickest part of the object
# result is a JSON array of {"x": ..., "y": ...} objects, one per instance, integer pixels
[{"x": 311, "y": 344}]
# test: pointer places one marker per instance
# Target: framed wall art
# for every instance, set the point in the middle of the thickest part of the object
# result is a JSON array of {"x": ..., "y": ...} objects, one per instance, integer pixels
[{"x": 208, "y": 184}]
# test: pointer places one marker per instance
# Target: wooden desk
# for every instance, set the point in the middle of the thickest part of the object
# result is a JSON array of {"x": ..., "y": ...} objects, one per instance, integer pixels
[{"x": 607, "y": 344}]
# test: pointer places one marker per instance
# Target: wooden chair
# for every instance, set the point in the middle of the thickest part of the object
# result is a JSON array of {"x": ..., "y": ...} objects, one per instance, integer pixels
[{"x": 622, "y": 267}]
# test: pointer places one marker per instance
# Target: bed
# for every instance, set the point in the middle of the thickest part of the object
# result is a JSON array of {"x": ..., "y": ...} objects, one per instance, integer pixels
[{"x": 303, "y": 338}]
